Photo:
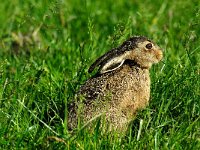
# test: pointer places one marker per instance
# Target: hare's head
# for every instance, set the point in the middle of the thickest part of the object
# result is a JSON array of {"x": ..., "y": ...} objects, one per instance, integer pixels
[{"x": 140, "y": 50}]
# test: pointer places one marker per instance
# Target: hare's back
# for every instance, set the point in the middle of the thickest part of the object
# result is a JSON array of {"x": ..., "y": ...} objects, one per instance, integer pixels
[{"x": 94, "y": 87}]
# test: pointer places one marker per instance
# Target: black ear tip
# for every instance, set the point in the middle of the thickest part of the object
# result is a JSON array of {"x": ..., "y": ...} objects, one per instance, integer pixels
[{"x": 91, "y": 69}]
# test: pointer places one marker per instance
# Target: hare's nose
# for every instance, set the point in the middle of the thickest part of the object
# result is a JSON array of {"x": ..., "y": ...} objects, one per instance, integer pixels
[{"x": 159, "y": 54}]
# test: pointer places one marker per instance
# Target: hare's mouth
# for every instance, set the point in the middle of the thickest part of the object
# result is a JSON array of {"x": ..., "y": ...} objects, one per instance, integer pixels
[{"x": 158, "y": 54}]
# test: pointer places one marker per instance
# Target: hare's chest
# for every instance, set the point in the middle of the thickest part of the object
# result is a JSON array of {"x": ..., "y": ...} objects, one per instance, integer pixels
[
  {"x": 131, "y": 90},
  {"x": 139, "y": 87},
  {"x": 130, "y": 81}
]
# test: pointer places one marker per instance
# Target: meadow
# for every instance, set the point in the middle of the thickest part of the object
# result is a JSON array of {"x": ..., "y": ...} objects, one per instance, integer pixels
[{"x": 46, "y": 48}]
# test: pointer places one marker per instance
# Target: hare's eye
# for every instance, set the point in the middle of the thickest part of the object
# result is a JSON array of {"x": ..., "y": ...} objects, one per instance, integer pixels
[{"x": 149, "y": 46}]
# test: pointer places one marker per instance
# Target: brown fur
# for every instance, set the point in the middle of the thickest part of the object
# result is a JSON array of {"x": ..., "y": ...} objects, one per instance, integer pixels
[{"x": 121, "y": 91}]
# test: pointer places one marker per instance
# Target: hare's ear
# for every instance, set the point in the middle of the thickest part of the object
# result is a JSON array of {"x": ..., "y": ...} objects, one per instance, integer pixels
[
  {"x": 95, "y": 64},
  {"x": 109, "y": 61},
  {"x": 112, "y": 64},
  {"x": 102, "y": 59}
]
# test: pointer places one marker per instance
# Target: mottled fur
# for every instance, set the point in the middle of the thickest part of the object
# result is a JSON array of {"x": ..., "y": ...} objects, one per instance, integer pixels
[{"x": 122, "y": 85}]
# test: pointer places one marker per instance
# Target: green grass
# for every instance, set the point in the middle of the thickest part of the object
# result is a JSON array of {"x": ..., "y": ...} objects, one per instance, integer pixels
[{"x": 47, "y": 46}]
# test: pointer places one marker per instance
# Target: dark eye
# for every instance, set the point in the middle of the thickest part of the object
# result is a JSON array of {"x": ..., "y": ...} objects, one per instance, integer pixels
[{"x": 149, "y": 46}]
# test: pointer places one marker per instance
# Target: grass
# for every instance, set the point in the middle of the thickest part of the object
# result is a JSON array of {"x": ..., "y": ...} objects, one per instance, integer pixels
[{"x": 47, "y": 47}]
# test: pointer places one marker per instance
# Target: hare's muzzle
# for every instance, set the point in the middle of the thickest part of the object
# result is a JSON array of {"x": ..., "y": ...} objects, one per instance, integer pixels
[{"x": 159, "y": 54}]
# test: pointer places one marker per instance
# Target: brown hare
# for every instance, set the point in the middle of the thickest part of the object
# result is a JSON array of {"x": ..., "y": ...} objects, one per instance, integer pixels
[{"x": 120, "y": 87}]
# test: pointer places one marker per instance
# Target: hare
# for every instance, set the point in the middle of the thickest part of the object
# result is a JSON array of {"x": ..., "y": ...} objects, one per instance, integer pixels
[{"x": 120, "y": 87}]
